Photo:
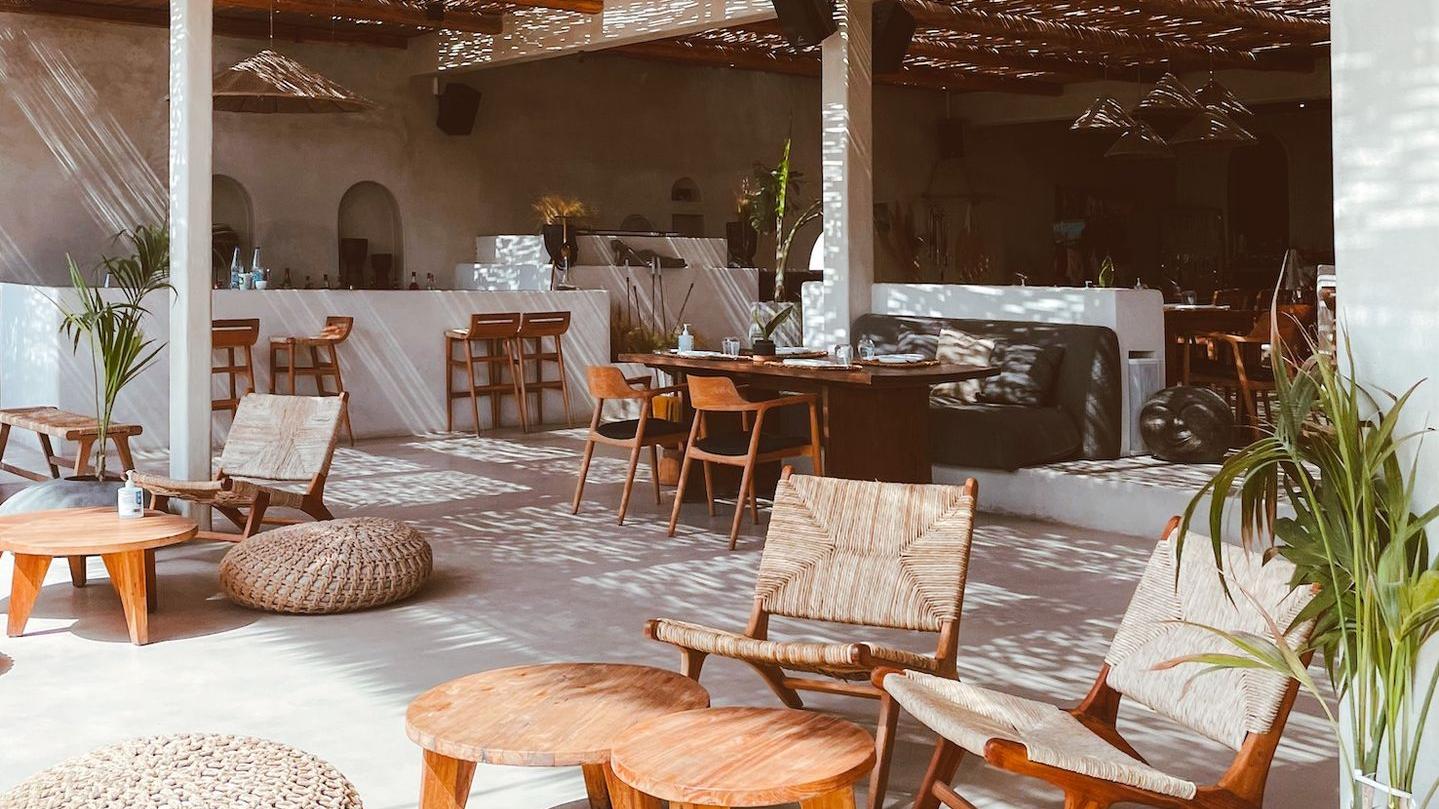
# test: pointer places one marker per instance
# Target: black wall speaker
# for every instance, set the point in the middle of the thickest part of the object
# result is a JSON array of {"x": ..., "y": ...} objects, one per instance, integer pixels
[
  {"x": 893, "y": 29},
  {"x": 459, "y": 103},
  {"x": 805, "y": 22}
]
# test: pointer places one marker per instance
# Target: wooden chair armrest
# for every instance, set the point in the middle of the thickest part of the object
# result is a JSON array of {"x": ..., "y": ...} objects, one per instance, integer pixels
[
  {"x": 182, "y": 487},
  {"x": 642, "y": 381},
  {"x": 652, "y": 393},
  {"x": 788, "y": 401}
]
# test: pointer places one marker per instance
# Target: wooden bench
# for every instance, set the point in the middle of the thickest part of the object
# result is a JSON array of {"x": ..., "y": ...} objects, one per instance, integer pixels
[{"x": 53, "y": 423}]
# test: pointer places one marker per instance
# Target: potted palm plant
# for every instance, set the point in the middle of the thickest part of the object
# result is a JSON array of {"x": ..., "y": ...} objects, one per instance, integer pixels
[
  {"x": 771, "y": 200},
  {"x": 1334, "y": 458},
  {"x": 111, "y": 326}
]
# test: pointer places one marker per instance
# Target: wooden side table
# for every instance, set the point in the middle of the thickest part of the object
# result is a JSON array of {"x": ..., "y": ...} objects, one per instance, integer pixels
[
  {"x": 53, "y": 423},
  {"x": 553, "y": 715},
  {"x": 727, "y": 757},
  {"x": 127, "y": 547}
]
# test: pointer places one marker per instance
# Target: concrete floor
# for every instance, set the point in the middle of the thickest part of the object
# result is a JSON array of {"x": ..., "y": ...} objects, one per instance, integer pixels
[{"x": 519, "y": 580}]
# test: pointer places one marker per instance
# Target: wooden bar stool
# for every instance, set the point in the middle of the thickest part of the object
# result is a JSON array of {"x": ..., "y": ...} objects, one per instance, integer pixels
[
  {"x": 324, "y": 353},
  {"x": 609, "y": 382},
  {"x": 237, "y": 339},
  {"x": 538, "y": 326},
  {"x": 497, "y": 332},
  {"x": 717, "y": 758},
  {"x": 746, "y": 448}
]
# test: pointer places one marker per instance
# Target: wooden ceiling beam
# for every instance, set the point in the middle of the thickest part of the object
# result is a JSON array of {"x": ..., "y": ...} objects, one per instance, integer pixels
[
  {"x": 800, "y": 65},
  {"x": 1227, "y": 13},
  {"x": 159, "y": 17},
  {"x": 578, "y": 6},
  {"x": 1063, "y": 69},
  {"x": 1025, "y": 29},
  {"x": 361, "y": 11}
]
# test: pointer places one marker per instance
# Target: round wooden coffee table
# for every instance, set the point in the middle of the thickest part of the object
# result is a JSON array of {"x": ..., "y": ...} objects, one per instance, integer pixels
[
  {"x": 552, "y": 715},
  {"x": 724, "y": 757},
  {"x": 126, "y": 546}
]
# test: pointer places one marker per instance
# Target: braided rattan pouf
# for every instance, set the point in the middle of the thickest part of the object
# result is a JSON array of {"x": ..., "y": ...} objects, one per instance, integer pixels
[
  {"x": 199, "y": 770},
  {"x": 326, "y": 567}
]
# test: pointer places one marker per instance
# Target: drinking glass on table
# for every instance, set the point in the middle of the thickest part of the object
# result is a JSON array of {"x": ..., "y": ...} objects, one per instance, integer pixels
[
  {"x": 843, "y": 354},
  {"x": 866, "y": 349},
  {"x": 731, "y": 346}
]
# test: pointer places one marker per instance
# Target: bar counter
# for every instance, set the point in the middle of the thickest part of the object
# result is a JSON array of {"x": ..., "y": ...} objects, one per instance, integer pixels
[{"x": 393, "y": 364}]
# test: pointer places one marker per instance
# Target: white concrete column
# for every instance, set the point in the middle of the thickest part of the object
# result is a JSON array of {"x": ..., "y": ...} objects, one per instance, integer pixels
[
  {"x": 847, "y": 159},
  {"x": 1385, "y": 66},
  {"x": 191, "y": 136}
]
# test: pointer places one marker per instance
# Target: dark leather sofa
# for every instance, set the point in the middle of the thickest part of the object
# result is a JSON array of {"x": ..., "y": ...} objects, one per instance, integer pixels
[{"x": 1082, "y": 419}]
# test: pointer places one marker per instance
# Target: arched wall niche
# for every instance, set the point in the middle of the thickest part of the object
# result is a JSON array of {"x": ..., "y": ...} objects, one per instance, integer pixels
[
  {"x": 369, "y": 211},
  {"x": 234, "y": 218}
]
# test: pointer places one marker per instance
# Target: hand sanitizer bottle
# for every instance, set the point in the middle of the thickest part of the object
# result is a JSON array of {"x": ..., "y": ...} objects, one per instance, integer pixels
[
  {"x": 131, "y": 502},
  {"x": 687, "y": 340}
]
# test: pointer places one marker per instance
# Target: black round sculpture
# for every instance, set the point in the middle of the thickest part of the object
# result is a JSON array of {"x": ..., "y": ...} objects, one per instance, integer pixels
[{"x": 1187, "y": 425}]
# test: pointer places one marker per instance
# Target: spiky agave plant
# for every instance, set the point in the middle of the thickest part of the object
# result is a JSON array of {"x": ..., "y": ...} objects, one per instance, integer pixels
[
  {"x": 113, "y": 329},
  {"x": 1334, "y": 457}
]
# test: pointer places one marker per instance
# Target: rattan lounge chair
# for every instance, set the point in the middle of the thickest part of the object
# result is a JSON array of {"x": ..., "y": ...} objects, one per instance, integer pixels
[
  {"x": 277, "y": 455},
  {"x": 890, "y": 555},
  {"x": 1079, "y": 750}
]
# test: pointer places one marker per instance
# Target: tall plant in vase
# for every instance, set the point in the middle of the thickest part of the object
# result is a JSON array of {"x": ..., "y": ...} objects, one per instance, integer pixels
[
  {"x": 112, "y": 329},
  {"x": 1334, "y": 457},
  {"x": 771, "y": 194}
]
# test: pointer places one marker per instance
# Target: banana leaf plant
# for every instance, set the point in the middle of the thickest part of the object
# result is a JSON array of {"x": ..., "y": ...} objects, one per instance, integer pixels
[
  {"x": 111, "y": 326},
  {"x": 1335, "y": 457},
  {"x": 768, "y": 196}
]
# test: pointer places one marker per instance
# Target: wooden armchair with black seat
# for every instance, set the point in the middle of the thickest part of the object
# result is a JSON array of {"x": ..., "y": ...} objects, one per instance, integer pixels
[
  {"x": 1237, "y": 364},
  {"x": 861, "y": 553},
  {"x": 746, "y": 447},
  {"x": 277, "y": 455},
  {"x": 1080, "y": 751},
  {"x": 607, "y": 383}
]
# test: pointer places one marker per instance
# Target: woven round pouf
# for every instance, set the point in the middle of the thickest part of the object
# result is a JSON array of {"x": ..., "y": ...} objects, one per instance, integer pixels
[
  {"x": 164, "y": 772},
  {"x": 327, "y": 567}
]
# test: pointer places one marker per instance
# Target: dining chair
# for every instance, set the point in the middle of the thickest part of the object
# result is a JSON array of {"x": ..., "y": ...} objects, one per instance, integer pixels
[
  {"x": 1240, "y": 367},
  {"x": 535, "y": 329},
  {"x": 236, "y": 337},
  {"x": 277, "y": 455},
  {"x": 496, "y": 333},
  {"x": 324, "y": 361},
  {"x": 1080, "y": 751},
  {"x": 609, "y": 383},
  {"x": 856, "y": 553},
  {"x": 746, "y": 447}
]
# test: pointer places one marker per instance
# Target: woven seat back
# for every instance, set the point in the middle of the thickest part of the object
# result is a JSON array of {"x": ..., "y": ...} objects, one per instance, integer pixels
[
  {"x": 1223, "y": 705},
  {"x": 282, "y": 437},
  {"x": 861, "y": 552}
]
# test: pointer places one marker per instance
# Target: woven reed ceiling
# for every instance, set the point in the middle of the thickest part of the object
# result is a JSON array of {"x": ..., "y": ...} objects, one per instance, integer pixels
[{"x": 1024, "y": 46}]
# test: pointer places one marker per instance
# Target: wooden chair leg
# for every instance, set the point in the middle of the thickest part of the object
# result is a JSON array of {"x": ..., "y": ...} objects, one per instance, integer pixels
[
  {"x": 709, "y": 489},
  {"x": 691, "y": 662},
  {"x": 942, "y": 767},
  {"x": 340, "y": 388},
  {"x": 316, "y": 508},
  {"x": 773, "y": 677},
  {"x": 445, "y": 782},
  {"x": 584, "y": 472},
  {"x": 470, "y": 375},
  {"x": 746, "y": 481},
  {"x": 753, "y": 502},
  {"x": 655, "y": 472},
  {"x": 82, "y": 455},
  {"x": 680, "y": 493},
  {"x": 79, "y": 576},
  {"x": 291, "y": 367},
  {"x": 256, "y": 521},
  {"x": 630, "y": 480},
  {"x": 517, "y": 379},
  {"x": 122, "y": 449},
  {"x": 883, "y": 750},
  {"x": 449, "y": 385},
  {"x": 49, "y": 450}
]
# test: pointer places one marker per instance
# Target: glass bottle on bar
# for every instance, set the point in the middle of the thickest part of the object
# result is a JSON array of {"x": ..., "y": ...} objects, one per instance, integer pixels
[
  {"x": 309, "y": 282},
  {"x": 235, "y": 269},
  {"x": 287, "y": 283},
  {"x": 325, "y": 281},
  {"x": 430, "y": 281},
  {"x": 414, "y": 281}
]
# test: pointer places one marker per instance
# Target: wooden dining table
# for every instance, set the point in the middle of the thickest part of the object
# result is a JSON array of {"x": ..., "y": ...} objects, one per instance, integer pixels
[
  {"x": 875, "y": 419},
  {"x": 1184, "y": 322}
]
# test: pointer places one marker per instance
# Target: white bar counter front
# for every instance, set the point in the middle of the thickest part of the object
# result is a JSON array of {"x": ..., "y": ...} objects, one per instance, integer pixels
[{"x": 393, "y": 363}]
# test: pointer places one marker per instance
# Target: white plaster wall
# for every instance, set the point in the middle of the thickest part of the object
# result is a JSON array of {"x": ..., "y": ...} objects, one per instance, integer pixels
[{"x": 1386, "y": 223}]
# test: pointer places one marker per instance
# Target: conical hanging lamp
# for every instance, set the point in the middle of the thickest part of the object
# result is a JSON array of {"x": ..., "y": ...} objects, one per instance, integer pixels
[
  {"x": 1214, "y": 94},
  {"x": 1141, "y": 142},
  {"x": 1105, "y": 115},
  {"x": 1168, "y": 98},
  {"x": 270, "y": 82},
  {"x": 1213, "y": 127}
]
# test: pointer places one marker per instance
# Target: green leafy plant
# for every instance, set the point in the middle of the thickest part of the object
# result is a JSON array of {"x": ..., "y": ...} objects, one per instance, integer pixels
[
  {"x": 768, "y": 325},
  {"x": 119, "y": 349},
  {"x": 1333, "y": 456},
  {"x": 768, "y": 196},
  {"x": 1106, "y": 273}
]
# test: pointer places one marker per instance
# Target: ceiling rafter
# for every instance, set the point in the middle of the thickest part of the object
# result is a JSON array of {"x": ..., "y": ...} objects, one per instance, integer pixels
[
  {"x": 1226, "y": 12},
  {"x": 247, "y": 28},
  {"x": 988, "y": 57},
  {"x": 578, "y": 6},
  {"x": 362, "y": 11}
]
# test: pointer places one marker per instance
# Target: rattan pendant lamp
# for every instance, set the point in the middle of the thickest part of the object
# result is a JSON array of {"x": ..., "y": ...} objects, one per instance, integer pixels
[
  {"x": 271, "y": 82},
  {"x": 1214, "y": 94},
  {"x": 1213, "y": 127}
]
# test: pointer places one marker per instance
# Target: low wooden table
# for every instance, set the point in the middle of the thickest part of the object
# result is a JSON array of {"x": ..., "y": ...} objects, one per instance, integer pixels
[
  {"x": 127, "y": 547},
  {"x": 53, "y": 423},
  {"x": 553, "y": 715},
  {"x": 726, "y": 757},
  {"x": 876, "y": 419}
]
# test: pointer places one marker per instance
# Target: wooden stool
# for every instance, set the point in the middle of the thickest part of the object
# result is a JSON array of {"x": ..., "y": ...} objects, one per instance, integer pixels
[
  {"x": 52, "y": 422},
  {"x": 727, "y": 757},
  {"x": 555, "y": 715},
  {"x": 323, "y": 365},
  {"x": 496, "y": 331},
  {"x": 538, "y": 326},
  {"x": 233, "y": 336}
]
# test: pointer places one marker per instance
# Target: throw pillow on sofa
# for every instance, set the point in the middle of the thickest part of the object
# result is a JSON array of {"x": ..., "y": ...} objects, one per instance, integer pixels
[
  {"x": 1026, "y": 375},
  {"x": 962, "y": 348}
]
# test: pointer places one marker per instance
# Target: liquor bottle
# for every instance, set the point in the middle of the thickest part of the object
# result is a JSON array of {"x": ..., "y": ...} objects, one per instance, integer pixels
[
  {"x": 309, "y": 282},
  {"x": 287, "y": 283},
  {"x": 414, "y": 281},
  {"x": 325, "y": 281},
  {"x": 429, "y": 280},
  {"x": 255, "y": 262},
  {"x": 235, "y": 269}
]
